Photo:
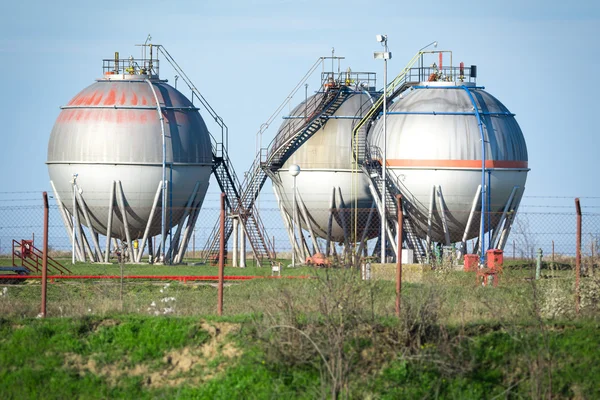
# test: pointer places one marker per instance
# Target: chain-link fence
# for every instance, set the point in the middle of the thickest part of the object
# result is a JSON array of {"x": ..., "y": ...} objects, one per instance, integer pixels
[
  {"x": 546, "y": 223},
  {"x": 542, "y": 223}
]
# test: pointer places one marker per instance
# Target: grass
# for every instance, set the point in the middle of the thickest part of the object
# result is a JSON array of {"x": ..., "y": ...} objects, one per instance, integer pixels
[
  {"x": 50, "y": 359},
  {"x": 151, "y": 339}
]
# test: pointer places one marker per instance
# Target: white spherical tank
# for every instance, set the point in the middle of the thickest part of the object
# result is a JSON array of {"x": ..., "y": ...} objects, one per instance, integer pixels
[
  {"x": 326, "y": 164},
  {"x": 112, "y": 131},
  {"x": 434, "y": 140}
]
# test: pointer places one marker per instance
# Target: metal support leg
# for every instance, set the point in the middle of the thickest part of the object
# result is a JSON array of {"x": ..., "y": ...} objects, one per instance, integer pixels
[
  {"x": 308, "y": 224},
  {"x": 243, "y": 247},
  {"x": 191, "y": 223},
  {"x": 111, "y": 203},
  {"x": 149, "y": 224},
  {"x": 503, "y": 217},
  {"x": 430, "y": 221},
  {"x": 121, "y": 203},
  {"x": 84, "y": 242},
  {"x": 443, "y": 215},
  {"x": 510, "y": 220},
  {"x": 66, "y": 220},
  {"x": 234, "y": 233},
  {"x": 82, "y": 206},
  {"x": 286, "y": 221},
  {"x": 463, "y": 249},
  {"x": 390, "y": 235},
  {"x": 330, "y": 222},
  {"x": 366, "y": 229},
  {"x": 175, "y": 242},
  {"x": 303, "y": 247},
  {"x": 342, "y": 214}
]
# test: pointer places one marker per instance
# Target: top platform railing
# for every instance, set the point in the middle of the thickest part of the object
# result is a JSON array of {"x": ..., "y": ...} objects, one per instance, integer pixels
[
  {"x": 445, "y": 74},
  {"x": 130, "y": 66},
  {"x": 364, "y": 80}
]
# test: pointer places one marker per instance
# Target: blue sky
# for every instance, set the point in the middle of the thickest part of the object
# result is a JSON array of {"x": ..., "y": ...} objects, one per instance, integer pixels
[{"x": 540, "y": 59}]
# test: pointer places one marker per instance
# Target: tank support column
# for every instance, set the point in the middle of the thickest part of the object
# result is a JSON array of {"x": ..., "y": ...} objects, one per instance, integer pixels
[
  {"x": 342, "y": 216},
  {"x": 67, "y": 222},
  {"x": 111, "y": 203},
  {"x": 175, "y": 242},
  {"x": 363, "y": 238},
  {"x": 430, "y": 222},
  {"x": 463, "y": 248},
  {"x": 234, "y": 233},
  {"x": 308, "y": 224},
  {"x": 390, "y": 235},
  {"x": 330, "y": 222},
  {"x": 509, "y": 221},
  {"x": 503, "y": 217},
  {"x": 121, "y": 203},
  {"x": 243, "y": 245},
  {"x": 286, "y": 221},
  {"x": 443, "y": 215},
  {"x": 191, "y": 222},
  {"x": 96, "y": 255},
  {"x": 150, "y": 219}
]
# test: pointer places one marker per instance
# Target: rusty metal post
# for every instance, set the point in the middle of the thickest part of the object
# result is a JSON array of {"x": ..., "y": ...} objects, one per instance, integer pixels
[
  {"x": 578, "y": 257},
  {"x": 45, "y": 255},
  {"x": 221, "y": 257},
  {"x": 399, "y": 259}
]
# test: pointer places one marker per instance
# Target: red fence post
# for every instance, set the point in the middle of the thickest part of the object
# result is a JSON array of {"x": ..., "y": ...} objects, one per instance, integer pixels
[
  {"x": 45, "y": 255},
  {"x": 578, "y": 257},
  {"x": 399, "y": 259},
  {"x": 221, "y": 257}
]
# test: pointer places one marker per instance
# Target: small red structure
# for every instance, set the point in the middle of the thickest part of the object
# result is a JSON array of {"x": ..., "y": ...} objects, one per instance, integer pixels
[
  {"x": 485, "y": 275},
  {"x": 471, "y": 262},
  {"x": 26, "y": 248},
  {"x": 495, "y": 259}
]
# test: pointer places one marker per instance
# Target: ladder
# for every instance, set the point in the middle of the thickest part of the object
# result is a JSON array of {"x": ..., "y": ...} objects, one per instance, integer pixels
[
  {"x": 327, "y": 105},
  {"x": 225, "y": 175},
  {"x": 372, "y": 168},
  {"x": 295, "y": 136}
]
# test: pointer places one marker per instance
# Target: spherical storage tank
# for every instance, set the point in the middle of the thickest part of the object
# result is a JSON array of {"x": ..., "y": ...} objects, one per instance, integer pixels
[
  {"x": 326, "y": 160},
  {"x": 111, "y": 131},
  {"x": 434, "y": 140}
]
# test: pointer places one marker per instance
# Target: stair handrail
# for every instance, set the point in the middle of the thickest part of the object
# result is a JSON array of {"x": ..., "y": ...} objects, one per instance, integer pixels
[
  {"x": 390, "y": 89},
  {"x": 325, "y": 102},
  {"x": 196, "y": 92}
]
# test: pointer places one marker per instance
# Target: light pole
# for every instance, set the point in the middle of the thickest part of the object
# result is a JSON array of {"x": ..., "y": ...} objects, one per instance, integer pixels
[
  {"x": 294, "y": 171},
  {"x": 385, "y": 55},
  {"x": 73, "y": 216}
]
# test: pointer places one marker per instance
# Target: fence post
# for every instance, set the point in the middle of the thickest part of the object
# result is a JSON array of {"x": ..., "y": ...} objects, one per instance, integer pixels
[
  {"x": 578, "y": 257},
  {"x": 399, "y": 259},
  {"x": 45, "y": 255},
  {"x": 221, "y": 257},
  {"x": 538, "y": 265}
]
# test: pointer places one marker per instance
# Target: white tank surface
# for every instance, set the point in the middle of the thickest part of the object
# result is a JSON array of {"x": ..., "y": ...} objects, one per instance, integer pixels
[
  {"x": 434, "y": 140},
  {"x": 326, "y": 165},
  {"x": 111, "y": 131}
]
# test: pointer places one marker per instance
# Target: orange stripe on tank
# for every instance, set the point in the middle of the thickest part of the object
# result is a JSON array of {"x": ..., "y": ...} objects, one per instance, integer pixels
[{"x": 454, "y": 163}]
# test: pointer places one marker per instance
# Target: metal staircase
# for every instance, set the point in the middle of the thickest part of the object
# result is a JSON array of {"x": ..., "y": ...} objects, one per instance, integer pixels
[
  {"x": 226, "y": 178},
  {"x": 328, "y": 104},
  {"x": 278, "y": 152},
  {"x": 372, "y": 168}
]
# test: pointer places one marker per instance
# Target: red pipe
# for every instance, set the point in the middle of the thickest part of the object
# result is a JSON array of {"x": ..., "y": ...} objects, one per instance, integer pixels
[
  {"x": 44, "y": 255},
  {"x": 158, "y": 277}
]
